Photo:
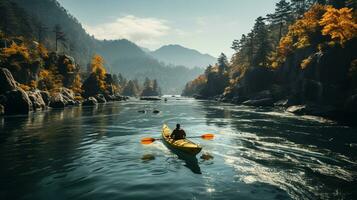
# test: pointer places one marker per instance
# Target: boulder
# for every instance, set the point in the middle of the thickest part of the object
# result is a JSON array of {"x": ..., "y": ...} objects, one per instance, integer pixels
[
  {"x": 45, "y": 97},
  {"x": 68, "y": 94},
  {"x": 297, "y": 109},
  {"x": 260, "y": 102},
  {"x": 7, "y": 81},
  {"x": 36, "y": 99},
  {"x": 156, "y": 111},
  {"x": 17, "y": 102},
  {"x": 100, "y": 98},
  {"x": 57, "y": 101},
  {"x": 91, "y": 101},
  {"x": 317, "y": 110}
]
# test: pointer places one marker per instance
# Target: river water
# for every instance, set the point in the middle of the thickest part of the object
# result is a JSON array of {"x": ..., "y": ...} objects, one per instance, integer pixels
[{"x": 95, "y": 153}]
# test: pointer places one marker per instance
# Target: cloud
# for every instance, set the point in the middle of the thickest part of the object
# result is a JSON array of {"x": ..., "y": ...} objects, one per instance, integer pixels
[{"x": 144, "y": 31}]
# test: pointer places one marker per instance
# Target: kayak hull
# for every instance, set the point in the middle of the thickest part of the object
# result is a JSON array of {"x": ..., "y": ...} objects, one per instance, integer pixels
[{"x": 183, "y": 145}]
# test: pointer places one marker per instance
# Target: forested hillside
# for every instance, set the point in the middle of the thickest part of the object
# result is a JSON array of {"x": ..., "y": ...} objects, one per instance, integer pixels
[
  {"x": 49, "y": 23},
  {"x": 303, "y": 56}
]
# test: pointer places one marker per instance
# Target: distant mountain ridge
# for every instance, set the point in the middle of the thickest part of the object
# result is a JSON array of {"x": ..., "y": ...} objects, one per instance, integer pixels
[
  {"x": 121, "y": 56},
  {"x": 178, "y": 55}
]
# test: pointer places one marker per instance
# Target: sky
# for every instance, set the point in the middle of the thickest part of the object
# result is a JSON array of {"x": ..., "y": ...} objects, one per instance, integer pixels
[{"x": 208, "y": 26}]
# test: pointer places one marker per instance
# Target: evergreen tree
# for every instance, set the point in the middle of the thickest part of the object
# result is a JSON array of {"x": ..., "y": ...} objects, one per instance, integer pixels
[
  {"x": 60, "y": 35},
  {"x": 261, "y": 40},
  {"x": 281, "y": 16},
  {"x": 222, "y": 63}
]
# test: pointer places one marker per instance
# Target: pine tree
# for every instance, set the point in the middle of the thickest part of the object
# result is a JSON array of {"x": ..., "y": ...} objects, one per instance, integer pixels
[
  {"x": 282, "y": 16},
  {"x": 222, "y": 63},
  {"x": 261, "y": 40},
  {"x": 60, "y": 35}
]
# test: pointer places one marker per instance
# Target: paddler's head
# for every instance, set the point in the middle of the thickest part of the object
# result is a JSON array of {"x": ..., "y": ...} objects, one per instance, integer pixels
[{"x": 178, "y": 126}]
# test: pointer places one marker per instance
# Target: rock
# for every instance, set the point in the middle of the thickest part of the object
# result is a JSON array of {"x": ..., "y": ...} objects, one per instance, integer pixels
[
  {"x": 2, "y": 110},
  {"x": 153, "y": 98},
  {"x": 255, "y": 80},
  {"x": 100, "y": 98},
  {"x": 312, "y": 90},
  {"x": 45, "y": 97},
  {"x": 7, "y": 81},
  {"x": 17, "y": 102},
  {"x": 317, "y": 110},
  {"x": 141, "y": 111},
  {"x": 260, "y": 102},
  {"x": 197, "y": 96},
  {"x": 36, "y": 99},
  {"x": 156, "y": 111},
  {"x": 91, "y": 101},
  {"x": 68, "y": 94},
  {"x": 57, "y": 101},
  {"x": 297, "y": 109},
  {"x": 265, "y": 94},
  {"x": 287, "y": 102}
]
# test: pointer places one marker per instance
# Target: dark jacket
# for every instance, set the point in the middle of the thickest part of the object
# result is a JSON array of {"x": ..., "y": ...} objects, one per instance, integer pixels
[{"x": 178, "y": 134}]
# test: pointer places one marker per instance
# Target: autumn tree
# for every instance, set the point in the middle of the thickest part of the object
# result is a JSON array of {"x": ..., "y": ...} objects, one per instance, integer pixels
[{"x": 339, "y": 24}]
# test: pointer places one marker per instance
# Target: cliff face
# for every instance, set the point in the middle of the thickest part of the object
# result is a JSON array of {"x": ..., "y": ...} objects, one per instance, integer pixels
[{"x": 326, "y": 86}]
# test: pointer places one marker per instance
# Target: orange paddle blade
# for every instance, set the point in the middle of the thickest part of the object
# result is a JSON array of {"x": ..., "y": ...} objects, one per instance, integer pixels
[
  {"x": 147, "y": 140},
  {"x": 208, "y": 136}
]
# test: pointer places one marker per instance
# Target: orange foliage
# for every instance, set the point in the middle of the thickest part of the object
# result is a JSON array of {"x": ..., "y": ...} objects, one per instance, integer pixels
[
  {"x": 97, "y": 68},
  {"x": 299, "y": 35},
  {"x": 339, "y": 24},
  {"x": 306, "y": 62},
  {"x": 77, "y": 85},
  {"x": 25, "y": 87},
  {"x": 42, "y": 51},
  {"x": 15, "y": 49}
]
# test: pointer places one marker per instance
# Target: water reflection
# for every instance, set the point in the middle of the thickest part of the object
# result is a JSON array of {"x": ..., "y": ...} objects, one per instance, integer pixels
[{"x": 263, "y": 145}]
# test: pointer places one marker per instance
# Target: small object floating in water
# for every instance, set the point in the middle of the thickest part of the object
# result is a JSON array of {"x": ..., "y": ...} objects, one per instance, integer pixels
[
  {"x": 206, "y": 156},
  {"x": 156, "y": 111},
  {"x": 141, "y": 111},
  {"x": 147, "y": 157}
]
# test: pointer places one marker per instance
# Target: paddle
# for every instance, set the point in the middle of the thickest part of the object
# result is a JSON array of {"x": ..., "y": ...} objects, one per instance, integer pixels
[{"x": 208, "y": 136}]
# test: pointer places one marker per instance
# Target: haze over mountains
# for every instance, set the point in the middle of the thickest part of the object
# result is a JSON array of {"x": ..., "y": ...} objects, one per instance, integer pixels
[
  {"x": 179, "y": 55},
  {"x": 121, "y": 56}
]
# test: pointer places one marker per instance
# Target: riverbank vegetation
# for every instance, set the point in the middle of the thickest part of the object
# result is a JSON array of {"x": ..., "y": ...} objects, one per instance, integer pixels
[{"x": 302, "y": 54}]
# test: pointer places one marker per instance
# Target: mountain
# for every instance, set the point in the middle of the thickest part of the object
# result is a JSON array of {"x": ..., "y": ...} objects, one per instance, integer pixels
[
  {"x": 125, "y": 57},
  {"x": 121, "y": 56},
  {"x": 179, "y": 55}
]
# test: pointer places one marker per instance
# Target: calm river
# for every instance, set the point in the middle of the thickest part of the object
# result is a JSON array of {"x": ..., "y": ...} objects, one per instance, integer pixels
[{"x": 95, "y": 153}]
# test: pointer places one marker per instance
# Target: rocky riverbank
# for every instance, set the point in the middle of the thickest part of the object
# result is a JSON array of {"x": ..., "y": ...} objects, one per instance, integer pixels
[{"x": 14, "y": 100}]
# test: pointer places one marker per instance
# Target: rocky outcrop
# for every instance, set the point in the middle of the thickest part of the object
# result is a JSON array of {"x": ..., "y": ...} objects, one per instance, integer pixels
[
  {"x": 260, "y": 102},
  {"x": 57, "y": 101},
  {"x": 68, "y": 96},
  {"x": 17, "y": 102},
  {"x": 91, "y": 101},
  {"x": 100, "y": 98},
  {"x": 36, "y": 99},
  {"x": 45, "y": 97},
  {"x": 7, "y": 81}
]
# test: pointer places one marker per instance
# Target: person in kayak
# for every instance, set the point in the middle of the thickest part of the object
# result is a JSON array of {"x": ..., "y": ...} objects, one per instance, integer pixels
[{"x": 178, "y": 133}]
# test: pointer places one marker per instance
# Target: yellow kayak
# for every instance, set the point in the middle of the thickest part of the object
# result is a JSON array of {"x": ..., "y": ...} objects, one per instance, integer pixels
[{"x": 184, "y": 145}]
